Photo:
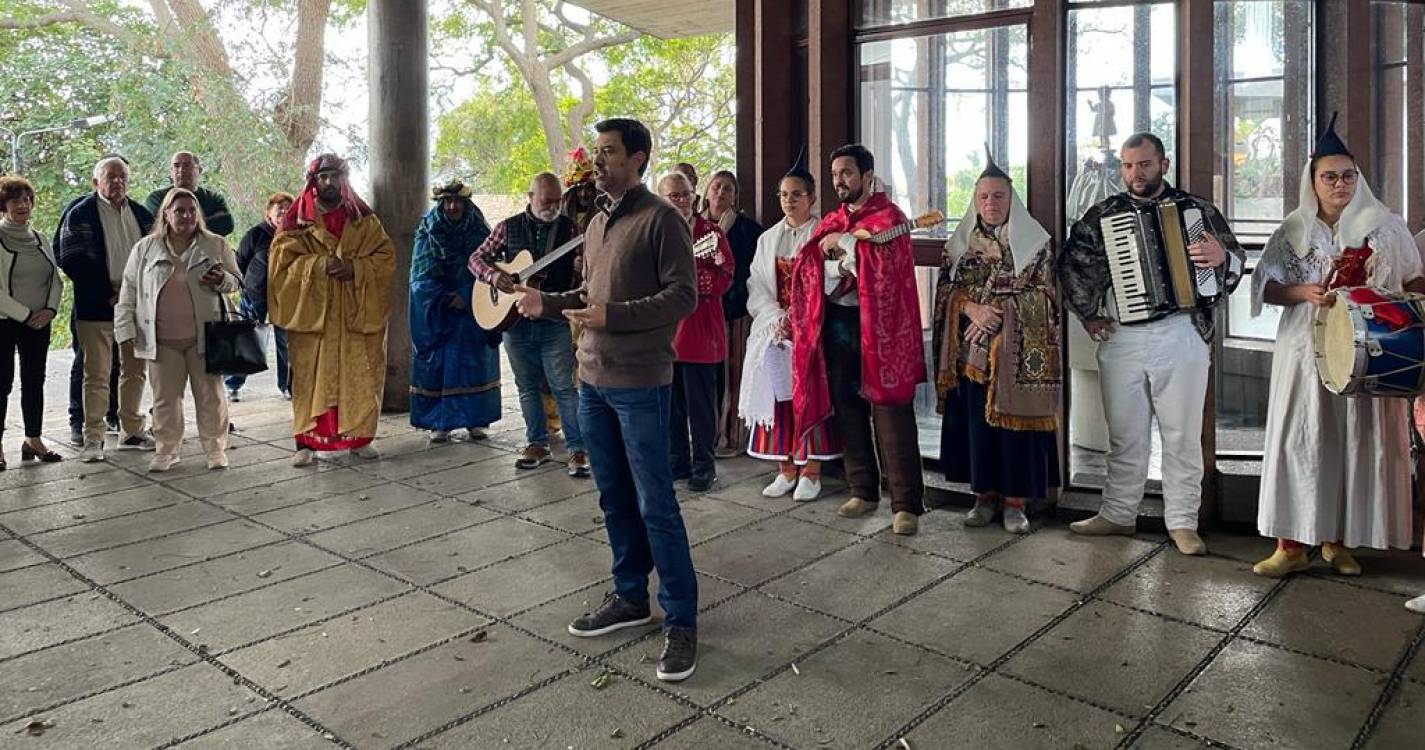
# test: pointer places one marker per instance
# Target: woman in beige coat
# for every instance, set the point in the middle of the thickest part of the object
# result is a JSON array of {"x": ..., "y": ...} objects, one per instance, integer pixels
[{"x": 173, "y": 285}]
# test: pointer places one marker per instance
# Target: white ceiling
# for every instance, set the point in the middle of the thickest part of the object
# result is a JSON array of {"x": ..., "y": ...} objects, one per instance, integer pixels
[{"x": 668, "y": 19}]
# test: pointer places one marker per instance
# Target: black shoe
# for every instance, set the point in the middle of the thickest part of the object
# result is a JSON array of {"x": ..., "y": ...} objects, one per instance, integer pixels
[
  {"x": 30, "y": 454},
  {"x": 682, "y": 474},
  {"x": 614, "y": 614},
  {"x": 76, "y": 437},
  {"x": 702, "y": 483},
  {"x": 111, "y": 424},
  {"x": 680, "y": 654}
]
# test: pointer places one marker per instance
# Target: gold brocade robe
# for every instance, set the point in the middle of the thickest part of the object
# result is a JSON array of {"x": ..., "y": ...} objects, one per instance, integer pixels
[{"x": 336, "y": 330}]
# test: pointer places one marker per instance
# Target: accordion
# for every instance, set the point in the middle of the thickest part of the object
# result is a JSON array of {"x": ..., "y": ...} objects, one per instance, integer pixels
[{"x": 1153, "y": 276}]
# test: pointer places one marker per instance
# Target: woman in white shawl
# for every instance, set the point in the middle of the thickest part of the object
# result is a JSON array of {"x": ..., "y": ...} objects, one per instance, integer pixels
[
  {"x": 1337, "y": 469},
  {"x": 765, "y": 397}
]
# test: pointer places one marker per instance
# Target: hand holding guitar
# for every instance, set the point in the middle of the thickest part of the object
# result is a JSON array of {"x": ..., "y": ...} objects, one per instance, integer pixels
[
  {"x": 505, "y": 282},
  {"x": 529, "y": 302}
]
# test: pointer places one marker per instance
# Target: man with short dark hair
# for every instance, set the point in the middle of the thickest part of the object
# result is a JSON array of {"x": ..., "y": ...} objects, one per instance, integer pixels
[
  {"x": 185, "y": 171},
  {"x": 859, "y": 354},
  {"x": 639, "y": 283},
  {"x": 1153, "y": 368}
]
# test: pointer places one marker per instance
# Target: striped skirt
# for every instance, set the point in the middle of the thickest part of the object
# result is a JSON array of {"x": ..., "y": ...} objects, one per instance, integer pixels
[{"x": 776, "y": 443}]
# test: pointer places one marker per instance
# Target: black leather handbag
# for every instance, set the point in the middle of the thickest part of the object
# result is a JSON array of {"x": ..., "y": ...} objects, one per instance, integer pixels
[{"x": 232, "y": 345}]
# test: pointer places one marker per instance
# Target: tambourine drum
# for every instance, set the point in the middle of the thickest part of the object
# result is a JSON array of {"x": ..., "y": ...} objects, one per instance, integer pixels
[{"x": 1371, "y": 342}]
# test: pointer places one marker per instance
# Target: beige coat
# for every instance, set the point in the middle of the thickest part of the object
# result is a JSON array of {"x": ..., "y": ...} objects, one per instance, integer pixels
[{"x": 149, "y": 267}]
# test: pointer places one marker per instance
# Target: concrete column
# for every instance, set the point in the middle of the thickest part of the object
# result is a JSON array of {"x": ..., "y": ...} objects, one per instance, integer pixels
[{"x": 400, "y": 158}]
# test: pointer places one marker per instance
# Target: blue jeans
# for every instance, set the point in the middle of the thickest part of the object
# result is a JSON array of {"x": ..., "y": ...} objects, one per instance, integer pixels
[
  {"x": 541, "y": 351},
  {"x": 284, "y": 379},
  {"x": 627, "y": 430}
]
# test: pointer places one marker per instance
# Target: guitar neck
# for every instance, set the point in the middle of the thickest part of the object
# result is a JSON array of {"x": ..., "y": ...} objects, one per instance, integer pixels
[
  {"x": 886, "y": 235},
  {"x": 553, "y": 257}
]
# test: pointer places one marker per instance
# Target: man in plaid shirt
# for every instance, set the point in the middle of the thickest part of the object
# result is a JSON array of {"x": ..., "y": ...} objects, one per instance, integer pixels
[{"x": 539, "y": 350}]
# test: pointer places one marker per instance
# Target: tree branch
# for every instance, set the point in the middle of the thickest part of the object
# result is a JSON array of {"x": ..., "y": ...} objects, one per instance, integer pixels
[
  {"x": 77, "y": 13},
  {"x": 574, "y": 51},
  {"x": 580, "y": 112}
]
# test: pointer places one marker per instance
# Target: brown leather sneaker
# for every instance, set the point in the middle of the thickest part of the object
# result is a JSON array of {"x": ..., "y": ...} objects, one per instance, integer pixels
[
  {"x": 534, "y": 455},
  {"x": 578, "y": 464}
]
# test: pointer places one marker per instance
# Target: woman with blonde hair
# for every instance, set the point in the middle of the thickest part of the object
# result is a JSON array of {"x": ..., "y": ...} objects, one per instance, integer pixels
[{"x": 172, "y": 285}]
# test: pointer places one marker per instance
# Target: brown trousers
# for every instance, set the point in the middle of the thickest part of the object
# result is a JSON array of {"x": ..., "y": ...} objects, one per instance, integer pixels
[
  {"x": 878, "y": 439},
  {"x": 96, "y": 340},
  {"x": 732, "y": 432}
]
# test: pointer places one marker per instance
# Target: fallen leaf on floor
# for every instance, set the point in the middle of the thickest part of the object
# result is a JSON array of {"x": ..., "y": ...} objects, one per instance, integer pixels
[
  {"x": 602, "y": 681},
  {"x": 37, "y": 727},
  {"x": 617, "y": 734},
  {"x": 796, "y": 671},
  {"x": 1038, "y": 725},
  {"x": 263, "y": 573},
  {"x": 903, "y": 743},
  {"x": 1118, "y": 729},
  {"x": 283, "y": 663},
  {"x": 479, "y": 637}
]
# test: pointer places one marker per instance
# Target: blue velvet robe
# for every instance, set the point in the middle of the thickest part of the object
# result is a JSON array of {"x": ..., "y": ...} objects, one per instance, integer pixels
[{"x": 455, "y": 365}]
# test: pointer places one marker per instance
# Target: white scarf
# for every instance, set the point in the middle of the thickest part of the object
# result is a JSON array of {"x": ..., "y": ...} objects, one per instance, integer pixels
[
  {"x": 1361, "y": 217},
  {"x": 757, "y": 403},
  {"x": 1026, "y": 237}
]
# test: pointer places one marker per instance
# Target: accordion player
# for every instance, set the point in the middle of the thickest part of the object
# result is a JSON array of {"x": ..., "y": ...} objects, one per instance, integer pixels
[{"x": 1153, "y": 276}]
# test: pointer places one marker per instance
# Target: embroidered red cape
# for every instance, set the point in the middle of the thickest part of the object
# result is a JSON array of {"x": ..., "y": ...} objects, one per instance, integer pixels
[{"x": 892, "y": 349}]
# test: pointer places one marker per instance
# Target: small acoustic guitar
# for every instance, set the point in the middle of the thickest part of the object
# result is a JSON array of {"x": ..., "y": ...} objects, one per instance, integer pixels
[
  {"x": 495, "y": 310},
  {"x": 923, "y": 221}
]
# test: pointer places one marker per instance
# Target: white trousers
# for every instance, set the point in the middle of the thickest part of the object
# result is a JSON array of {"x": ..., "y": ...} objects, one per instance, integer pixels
[{"x": 1154, "y": 368}]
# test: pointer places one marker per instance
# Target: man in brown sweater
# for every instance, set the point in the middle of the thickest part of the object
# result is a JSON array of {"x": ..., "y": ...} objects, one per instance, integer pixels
[{"x": 639, "y": 283}]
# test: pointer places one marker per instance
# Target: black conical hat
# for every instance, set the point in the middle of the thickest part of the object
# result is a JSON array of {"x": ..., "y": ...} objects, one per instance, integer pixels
[
  {"x": 799, "y": 169},
  {"x": 1330, "y": 144},
  {"x": 991, "y": 168}
]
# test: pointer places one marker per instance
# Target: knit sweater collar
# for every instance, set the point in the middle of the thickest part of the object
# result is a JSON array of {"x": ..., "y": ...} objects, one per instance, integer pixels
[{"x": 18, "y": 237}]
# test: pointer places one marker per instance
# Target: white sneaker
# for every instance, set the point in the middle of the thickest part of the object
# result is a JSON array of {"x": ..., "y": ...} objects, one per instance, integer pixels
[
  {"x": 162, "y": 462},
  {"x": 303, "y": 457},
  {"x": 779, "y": 486},
  {"x": 218, "y": 460},
  {"x": 1015, "y": 521},
  {"x": 983, "y": 514},
  {"x": 367, "y": 452},
  {"x": 93, "y": 451},
  {"x": 440, "y": 436},
  {"x": 1417, "y": 604},
  {"x": 807, "y": 490}
]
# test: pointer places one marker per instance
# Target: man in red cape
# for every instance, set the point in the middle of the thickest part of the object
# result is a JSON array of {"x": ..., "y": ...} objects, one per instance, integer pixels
[{"x": 857, "y": 351}]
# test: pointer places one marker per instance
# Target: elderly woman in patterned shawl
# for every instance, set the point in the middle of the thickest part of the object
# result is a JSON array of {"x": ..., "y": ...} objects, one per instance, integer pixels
[
  {"x": 455, "y": 367},
  {"x": 997, "y": 355}
]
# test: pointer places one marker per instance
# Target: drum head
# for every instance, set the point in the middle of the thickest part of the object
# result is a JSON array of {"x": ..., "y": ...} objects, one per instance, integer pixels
[{"x": 1337, "y": 355}]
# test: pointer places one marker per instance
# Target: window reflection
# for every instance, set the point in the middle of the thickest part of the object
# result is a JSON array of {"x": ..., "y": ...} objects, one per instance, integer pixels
[
  {"x": 884, "y": 12},
  {"x": 928, "y": 106},
  {"x": 1122, "y": 65}
]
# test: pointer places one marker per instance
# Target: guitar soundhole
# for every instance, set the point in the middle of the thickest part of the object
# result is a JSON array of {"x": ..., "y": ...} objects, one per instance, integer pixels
[{"x": 494, "y": 294}]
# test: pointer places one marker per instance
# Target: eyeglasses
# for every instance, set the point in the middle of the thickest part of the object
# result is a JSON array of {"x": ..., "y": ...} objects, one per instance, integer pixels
[
  {"x": 1347, "y": 177},
  {"x": 679, "y": 196},
  {"x": 794, "y": 194}
]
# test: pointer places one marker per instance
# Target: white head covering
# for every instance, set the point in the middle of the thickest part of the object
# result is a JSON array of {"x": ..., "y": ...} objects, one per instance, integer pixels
[
  {"x": 1361, "y": 217},
  {"x": 1026, "y": 236}
]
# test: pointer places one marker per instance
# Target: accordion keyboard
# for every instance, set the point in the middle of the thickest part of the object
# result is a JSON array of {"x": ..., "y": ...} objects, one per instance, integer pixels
[{"x": 1126, "y": 258}]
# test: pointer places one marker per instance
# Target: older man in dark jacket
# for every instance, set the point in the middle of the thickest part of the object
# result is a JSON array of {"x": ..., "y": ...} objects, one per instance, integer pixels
[{"x": 94, "y": 243}]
